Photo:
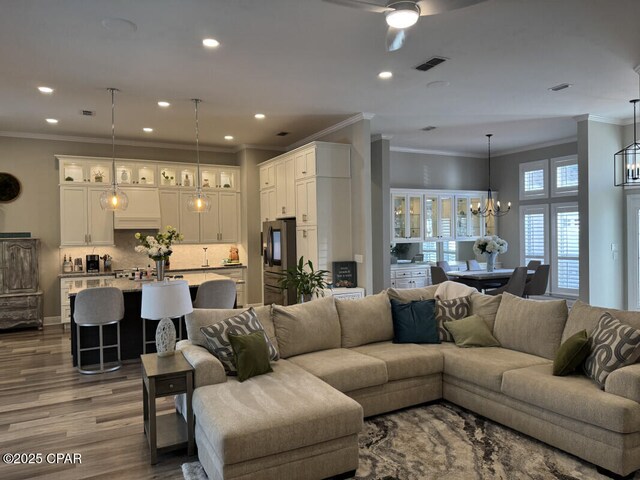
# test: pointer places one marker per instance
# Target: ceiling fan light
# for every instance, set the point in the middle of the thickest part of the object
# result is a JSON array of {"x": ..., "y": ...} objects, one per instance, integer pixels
[{"x": 404, "y": 17}]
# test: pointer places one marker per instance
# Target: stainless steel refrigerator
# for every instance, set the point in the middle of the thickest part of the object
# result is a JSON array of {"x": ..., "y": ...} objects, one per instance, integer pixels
[{"x": 278, "y": 254}]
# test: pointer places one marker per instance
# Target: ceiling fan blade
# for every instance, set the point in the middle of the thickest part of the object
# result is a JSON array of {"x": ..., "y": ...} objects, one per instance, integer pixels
[
  {"x": 395, "y": 39},
  {"x": 370, "y": 7},
  {"x": 434, "y": 7}
]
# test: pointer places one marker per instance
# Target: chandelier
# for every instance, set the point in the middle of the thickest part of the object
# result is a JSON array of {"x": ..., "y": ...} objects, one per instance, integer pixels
[
  {"x": 626, "y": 162},
  {"x": 491, "y": 207}
]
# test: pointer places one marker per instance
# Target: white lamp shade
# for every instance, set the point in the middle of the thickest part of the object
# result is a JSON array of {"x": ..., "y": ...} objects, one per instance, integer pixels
[{"x": 166, "y": 299}]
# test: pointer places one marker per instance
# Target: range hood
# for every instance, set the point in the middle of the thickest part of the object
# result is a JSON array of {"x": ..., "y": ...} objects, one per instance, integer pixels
[{"x": 143, "y": 211}]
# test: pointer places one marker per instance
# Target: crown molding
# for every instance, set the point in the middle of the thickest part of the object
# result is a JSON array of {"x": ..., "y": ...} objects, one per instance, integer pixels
[
  {"x": 380, "y": 136},
  {"x": 333, "y": 128},
  {"x": 535, "y": 146},
  {"x": 105, "y": 141},
  {"x": 600, "y": 119},
  {"x": 435, "y": 152},
  {"x": 271, "y": 148}
]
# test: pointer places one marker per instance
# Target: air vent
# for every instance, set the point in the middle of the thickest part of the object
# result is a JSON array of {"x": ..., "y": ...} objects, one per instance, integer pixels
[
  {"x": 432, "y": 62},
  {"x": 282, "y": 134},
  {"x": 87, "y": 113},
  {"x": 562, "y": 86},
  {"x": 428, "y": 128}
]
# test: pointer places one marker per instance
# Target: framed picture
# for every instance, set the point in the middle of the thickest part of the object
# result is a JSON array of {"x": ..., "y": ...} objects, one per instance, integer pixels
[{"x": 345, "y": 274}]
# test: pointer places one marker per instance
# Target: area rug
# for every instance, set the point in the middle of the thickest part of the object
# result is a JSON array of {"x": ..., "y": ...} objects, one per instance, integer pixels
[{"x": 443, "y": 441}]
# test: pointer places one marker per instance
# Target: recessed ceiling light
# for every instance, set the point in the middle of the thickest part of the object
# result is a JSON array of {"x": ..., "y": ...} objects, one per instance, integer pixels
[
  {"x": 438, "y": 84},
  {"x": 562, "y": 86},
  {"x": 163, "y": 104},
  {"x": 148, "y": 129},
  {"x": 385, "y": 75},
  {"x": 210, "y": 42},
  {"x": 260, "y": 116},
  {"x": 53, "y": 121},
  {"x": 228, "y": 137},
  {"x": 45, "y": 89}
]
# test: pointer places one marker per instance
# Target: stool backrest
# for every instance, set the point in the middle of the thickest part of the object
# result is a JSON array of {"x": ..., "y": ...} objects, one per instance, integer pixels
[
  {"x": 538, "y": 283},
  {"x": 438, "y": 275},
  {"x": 97, "y": 306},
  {"x": 515, "y": 285},
  {"x": 216, "y": 294}
]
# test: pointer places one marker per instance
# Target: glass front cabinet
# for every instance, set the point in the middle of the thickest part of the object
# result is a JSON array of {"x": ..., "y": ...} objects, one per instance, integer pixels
[{"x": 406, "y": 211}]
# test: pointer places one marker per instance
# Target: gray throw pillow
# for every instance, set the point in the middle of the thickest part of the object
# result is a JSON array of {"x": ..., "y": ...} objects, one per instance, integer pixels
[
  {"x": 218, "y": 343},
  {"x": 450, "y": 310},
  {"x": 613, "y": 345}
]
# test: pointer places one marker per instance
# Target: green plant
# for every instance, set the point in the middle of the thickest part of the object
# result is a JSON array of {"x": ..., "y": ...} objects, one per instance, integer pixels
[
  {"x": 399, "y": 249},
  {"x": 304, "y": 279}
]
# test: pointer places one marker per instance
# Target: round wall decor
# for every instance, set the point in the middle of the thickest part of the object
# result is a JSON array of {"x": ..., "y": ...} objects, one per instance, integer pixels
[{"x": 9, "y": 187}]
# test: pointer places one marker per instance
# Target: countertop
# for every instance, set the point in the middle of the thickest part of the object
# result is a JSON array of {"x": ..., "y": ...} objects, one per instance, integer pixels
[
  {"x": 126, "y": 285},
  {"x": 168, "y": 271}
]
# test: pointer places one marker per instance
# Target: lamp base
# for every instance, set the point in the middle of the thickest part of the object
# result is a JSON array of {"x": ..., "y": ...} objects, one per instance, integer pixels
[{"x": 165, "y": 338}]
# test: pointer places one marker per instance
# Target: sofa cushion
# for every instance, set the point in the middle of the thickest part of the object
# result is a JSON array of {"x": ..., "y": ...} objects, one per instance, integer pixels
[
  {"x": 448, "y": 311},
  {"x": 307, "y": 327},
  {"x": 449, "y": 290},
  {"x": 530, "y": 326},
  {"x": 571, "y": 354},
  {"x": 404, "y": 360},
  {"x": 485, "y": 366},
  {"x": 406, "y": 295},
  {"x": 625, "y": 382},
  {"x": 486, "y": 306},
  {"x": 273, "y": 413},
  {"x": 613, "y": 345},
  {"x": 365, "y": 320},
  {"x": 585, "y": 317},
  {"x": 343, "y": 369},
  {"x": 251, "y": 355},
  {"x": 574, "y": 396},
  {"x": 414, "y": 322},
  {"x": 471, "y": 332}
]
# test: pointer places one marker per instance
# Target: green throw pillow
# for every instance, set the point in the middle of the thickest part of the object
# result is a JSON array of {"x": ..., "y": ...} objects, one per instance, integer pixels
[
  {"x": 251, "y": 355},
  {"x": 571, "y": 354},
  {"x": 471, "y": 332}
]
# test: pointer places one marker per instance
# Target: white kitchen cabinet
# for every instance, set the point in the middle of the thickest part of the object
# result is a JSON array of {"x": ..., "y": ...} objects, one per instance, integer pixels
[
  {"x": 82, "y": 220},
  {"x": 268, "y": 205},
  {"x": 268, "y": 176},
  {"x": 307, "y": 246},
  {"x": 305, "y": 163},
  {"x": 220, "y": 224},
  {"x": 220, "y": 178},
  {"x": 306, "y": 200},
  {"x": 170, "y": 209},
  {"x": 447, "y": 218},
  {"x": 189, "y": 221},
  {"x": 210, "y": 221},
  {"x": 406, "y": 211},
  {"x": 285, "y": 188}
]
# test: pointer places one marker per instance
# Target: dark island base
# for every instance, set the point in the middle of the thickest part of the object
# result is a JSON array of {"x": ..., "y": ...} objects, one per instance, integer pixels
[{"x": 130, "y": 333}]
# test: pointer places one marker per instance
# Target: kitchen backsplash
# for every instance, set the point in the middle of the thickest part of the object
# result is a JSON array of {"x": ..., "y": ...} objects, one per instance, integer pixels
[{"x": 125, "y": 256}]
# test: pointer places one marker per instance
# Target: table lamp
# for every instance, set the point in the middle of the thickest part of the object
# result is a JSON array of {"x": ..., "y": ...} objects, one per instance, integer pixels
[{"x": 164, "y": 301}]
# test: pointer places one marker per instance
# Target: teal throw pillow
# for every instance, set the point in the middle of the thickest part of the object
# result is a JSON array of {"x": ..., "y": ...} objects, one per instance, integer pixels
[
  {"x": 414, "y": 322},
  {"x": 251, "y": 355},
  {"x": 571, "y": 354},
  {"x": 471, "y": 332}
]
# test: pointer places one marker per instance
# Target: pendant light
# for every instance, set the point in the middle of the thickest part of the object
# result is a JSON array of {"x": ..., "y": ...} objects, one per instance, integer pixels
[
  {"x": 198, "y": 202},
  {"x": 491, "y": 208},
  {"x": 113, "y": 198},
  {"x": 626, "y": 162}
]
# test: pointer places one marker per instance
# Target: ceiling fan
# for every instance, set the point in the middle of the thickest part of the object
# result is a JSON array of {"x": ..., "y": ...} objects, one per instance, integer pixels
[{"x": 403, "y": 14}]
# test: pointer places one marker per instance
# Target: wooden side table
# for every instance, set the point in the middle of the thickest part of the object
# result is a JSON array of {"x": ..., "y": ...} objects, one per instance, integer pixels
[{"x": 163, "y": 376}]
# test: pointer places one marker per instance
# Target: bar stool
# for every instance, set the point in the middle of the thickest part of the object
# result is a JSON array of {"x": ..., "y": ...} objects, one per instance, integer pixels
[
  {"x": 96, "y": 307},
  {"x": 216, "y": 294}
]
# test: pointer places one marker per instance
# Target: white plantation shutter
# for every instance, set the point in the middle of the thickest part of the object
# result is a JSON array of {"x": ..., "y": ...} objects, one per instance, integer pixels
[
  {"x": 564, "y": 172},
  {"x": 449, "y": 251},
  {"x": 430, "y": 251},
  {"x": 534, "y": 244},
  {"x": 566, "y": 248},
  {"x": 534, "y": 180},
  {"x": 567, "y": 176}
]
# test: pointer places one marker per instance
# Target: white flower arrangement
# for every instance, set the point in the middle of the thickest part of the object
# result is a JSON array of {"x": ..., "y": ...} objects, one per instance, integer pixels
[
  {"x": 490, "y": 244},
  {"x": 158, "y": 247}
]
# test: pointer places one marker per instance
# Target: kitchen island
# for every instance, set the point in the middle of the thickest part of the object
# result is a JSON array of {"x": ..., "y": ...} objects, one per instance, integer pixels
[{"x": 131, "y": 326}]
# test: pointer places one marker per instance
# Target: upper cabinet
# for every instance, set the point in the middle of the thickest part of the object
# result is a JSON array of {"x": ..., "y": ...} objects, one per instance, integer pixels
[
  {"x": 406, "y": 213},
  {"x": 285, "y": 188},
  {"x": 218, "y": 178},
  {"x": 268, "y": 176},
  {"x": 75, "y": 171},
  {"x": 82, "y": 220}
]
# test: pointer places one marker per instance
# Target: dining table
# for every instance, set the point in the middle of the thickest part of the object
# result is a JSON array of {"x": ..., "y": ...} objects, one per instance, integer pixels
[{"x": 482, "y": 279}]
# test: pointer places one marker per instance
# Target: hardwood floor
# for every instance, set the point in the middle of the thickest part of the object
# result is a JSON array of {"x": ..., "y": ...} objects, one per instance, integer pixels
[{"x": 46, "y": 406}]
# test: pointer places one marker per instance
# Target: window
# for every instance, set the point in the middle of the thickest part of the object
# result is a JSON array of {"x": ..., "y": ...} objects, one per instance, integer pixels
[
  {"x": 449, "y": 251},
  {"x": 430, "y": 251},
  {"x": 533, "y": 180},
  {"x": 434, "y": 251},
  {"x": 566, "y": 248},
  {"x": 564, "y": 172},
  {"x": 534, "y": 245}
]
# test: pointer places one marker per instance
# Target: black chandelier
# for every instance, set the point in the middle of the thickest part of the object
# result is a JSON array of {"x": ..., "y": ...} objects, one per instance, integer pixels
[
  {"x": 626, "y": 162},
  {"x": 491, "y": 208}
]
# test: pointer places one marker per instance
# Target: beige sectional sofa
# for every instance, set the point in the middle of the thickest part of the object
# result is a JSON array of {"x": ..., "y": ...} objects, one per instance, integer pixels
[{"x": 338, "y": 364}]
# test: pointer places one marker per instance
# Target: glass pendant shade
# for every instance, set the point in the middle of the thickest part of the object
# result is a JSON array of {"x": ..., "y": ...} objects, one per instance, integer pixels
[
  {"x": 114, "y": 199},
  {"x": 491, "y": 207},
  {"x": 199, "y": 202},
  {"x": 626, "y": 162}
]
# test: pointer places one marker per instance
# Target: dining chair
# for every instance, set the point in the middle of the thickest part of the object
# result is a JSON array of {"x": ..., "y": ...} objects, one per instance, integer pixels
[
  {"x": 216, "y": 294},
  {"x": 438, "y": 275},
  {"x": 514, "y": 286},
  {"x": 444, "y": 265},
  {"x": 473, "y": 265},
  {"x": 97, "y": 307},
  {"x": 533, "y": 264},
  {"x": 538, "y": 283}
]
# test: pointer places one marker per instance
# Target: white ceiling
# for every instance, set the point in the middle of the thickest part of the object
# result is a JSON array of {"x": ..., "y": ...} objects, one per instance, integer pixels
[{"x": 308, "y": 64}]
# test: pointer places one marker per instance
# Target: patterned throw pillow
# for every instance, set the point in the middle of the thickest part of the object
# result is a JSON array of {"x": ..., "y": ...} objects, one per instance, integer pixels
[
  {"x": 217, "y": 336},
  {"x": 450, "y": 310},
  {"x": 613, "y": 345}
]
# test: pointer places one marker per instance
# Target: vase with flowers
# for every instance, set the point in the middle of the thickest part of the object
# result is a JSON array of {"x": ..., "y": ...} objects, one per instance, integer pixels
[
  {"x": 491, "y": 245},
  {"x": 158, "y": 247}
]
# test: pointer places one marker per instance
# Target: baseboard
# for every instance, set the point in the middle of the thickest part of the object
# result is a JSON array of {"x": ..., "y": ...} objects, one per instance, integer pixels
[{"x": 55, "y": 320}]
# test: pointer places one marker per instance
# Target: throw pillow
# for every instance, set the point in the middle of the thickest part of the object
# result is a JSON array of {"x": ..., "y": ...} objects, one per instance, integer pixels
[
  {"x": 217, "y": 336},
  {"x": 414, "y": 322},
  {"x": 571, "y": 354},
  {"x": 613, "y": 345},
  {"x": 251, "y": 355},
  {"x": 471, "y": 332},
  {"x": 449, "y": 310}
]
